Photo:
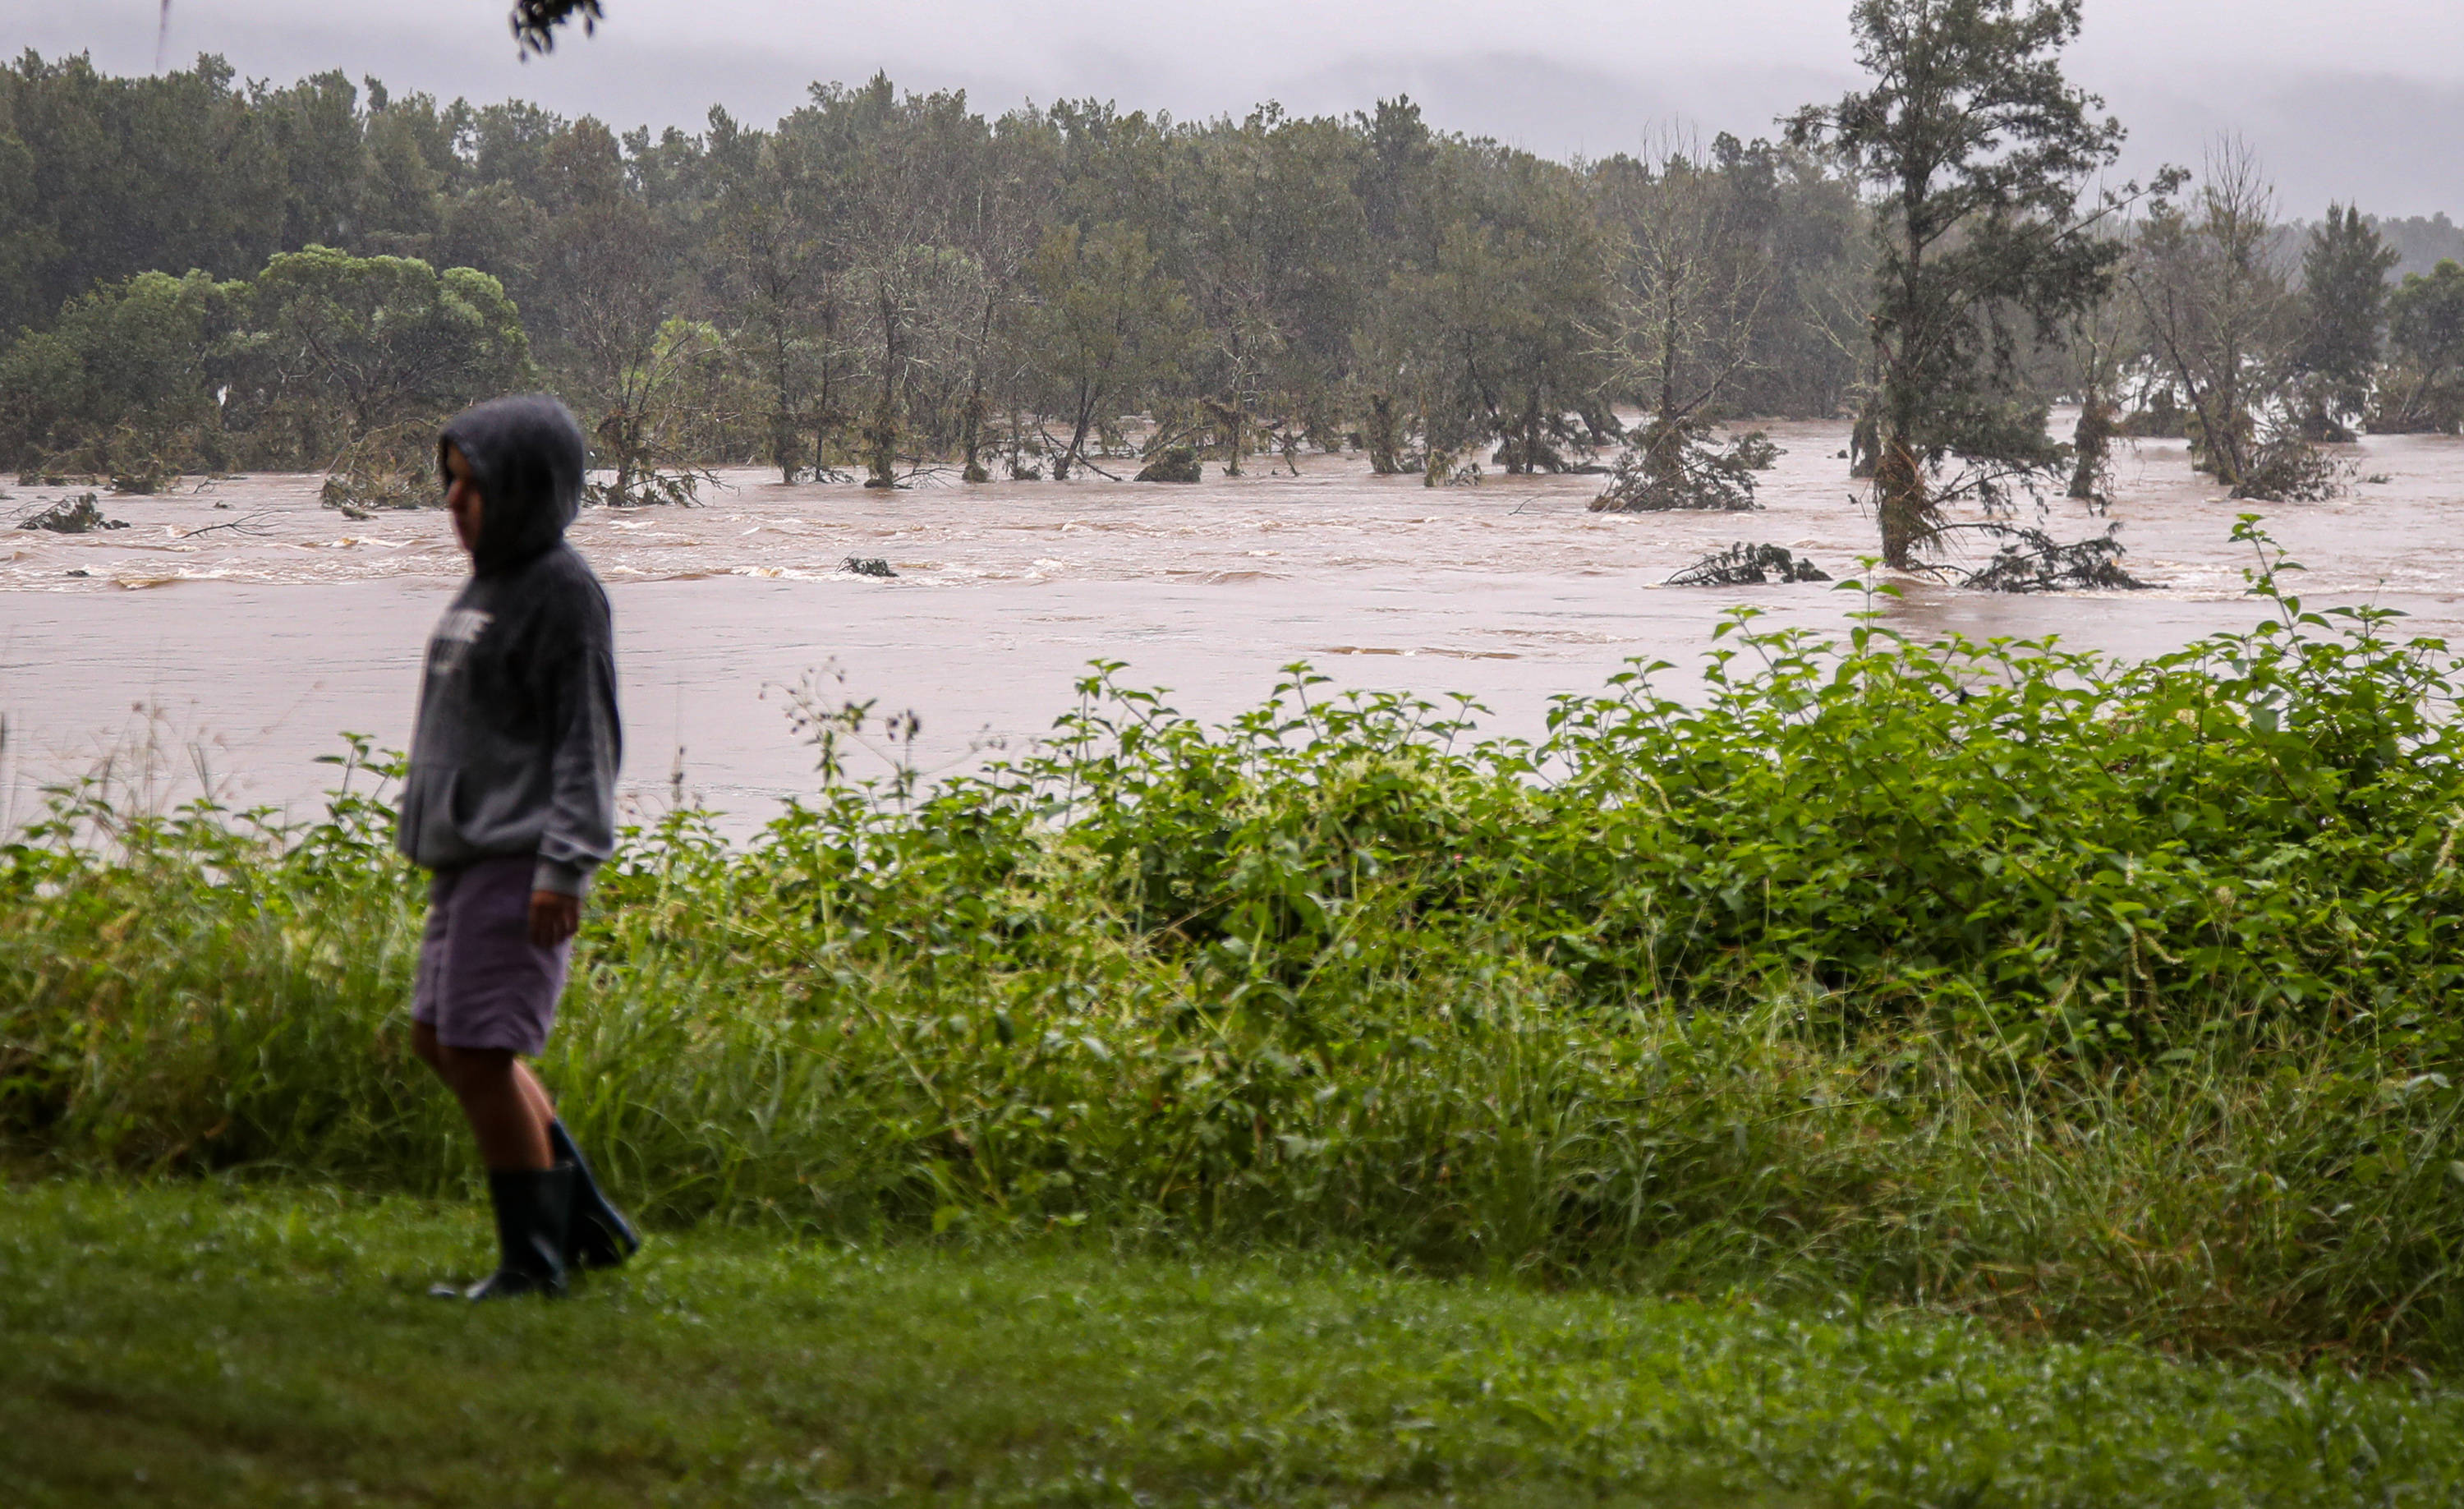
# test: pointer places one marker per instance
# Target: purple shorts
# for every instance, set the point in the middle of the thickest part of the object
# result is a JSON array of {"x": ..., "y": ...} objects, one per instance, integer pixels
[{"x": 481, "y": 982}]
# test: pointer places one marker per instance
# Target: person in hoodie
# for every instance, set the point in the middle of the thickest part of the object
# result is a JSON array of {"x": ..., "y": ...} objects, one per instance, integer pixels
[{"x": 510, "y": 803}]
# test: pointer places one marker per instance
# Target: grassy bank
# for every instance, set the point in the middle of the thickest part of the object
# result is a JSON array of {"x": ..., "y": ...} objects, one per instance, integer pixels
[
  {"x": 185, "y": 1345},
  {"x": 2086, "y": 998}
]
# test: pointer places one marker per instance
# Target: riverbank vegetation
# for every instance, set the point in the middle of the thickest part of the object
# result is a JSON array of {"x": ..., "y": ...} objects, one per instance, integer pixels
[
  {"x": 2086, "y": 998},
  {"x": 201, "y": 274}
]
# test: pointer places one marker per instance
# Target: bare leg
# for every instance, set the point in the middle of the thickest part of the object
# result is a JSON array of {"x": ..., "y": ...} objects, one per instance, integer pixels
[
  {"x": 542, "y": 1105},
  {"x": 489, "y": 1083}
]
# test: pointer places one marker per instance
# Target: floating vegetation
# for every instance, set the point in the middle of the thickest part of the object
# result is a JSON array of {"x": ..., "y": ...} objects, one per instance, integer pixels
[
  {"x": 1439, "y": 468},
  {"x": 2291, "y": 470},
  {"x": 73, "y": 516},
  {"x": 1744, "y": 565},
  {"x": 1757, "y": 450},
  {"x": 653, "y": 487},
  {"x": 2032, "y": 561},
  {"x": 1176, "y": 463},
  {"x": 390, "y": 467},
  {"x": 867, "y": 565},
  {"x": 1675, "y": 466}
]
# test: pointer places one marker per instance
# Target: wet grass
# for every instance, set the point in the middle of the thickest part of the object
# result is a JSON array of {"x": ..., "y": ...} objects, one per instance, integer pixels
[{"x": 202, "y": 1344}]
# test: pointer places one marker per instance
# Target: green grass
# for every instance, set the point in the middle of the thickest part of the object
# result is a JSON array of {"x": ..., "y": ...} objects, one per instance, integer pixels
[{"x": 204, "y": 1344}]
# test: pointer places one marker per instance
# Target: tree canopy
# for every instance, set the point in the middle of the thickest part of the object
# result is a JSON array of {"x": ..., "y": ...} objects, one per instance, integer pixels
[
  {"x": 1978, "y": 150},
  {"x": 870, "y": 281}
]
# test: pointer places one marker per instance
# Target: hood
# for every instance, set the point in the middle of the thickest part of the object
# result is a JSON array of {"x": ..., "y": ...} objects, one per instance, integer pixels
[{"x": 528, "y": 454}]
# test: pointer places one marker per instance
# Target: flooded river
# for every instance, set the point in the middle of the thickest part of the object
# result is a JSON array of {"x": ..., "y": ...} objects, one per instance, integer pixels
[{"x": 235, "y": 631}]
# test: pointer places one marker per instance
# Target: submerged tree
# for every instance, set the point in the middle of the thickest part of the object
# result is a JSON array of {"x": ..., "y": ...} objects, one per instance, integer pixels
[
  {"x": 1980, "y": 150},
  {"x": 785, "y": 278},
  {"x": 2426, "y": 327},
  {"x": 1685, "y": 306},
  {"x": 2100, "y": 343},
  {"x": 2221, "y": 318},
  {"x": 2344, "y": 302},
  {"x": 1501, "y": 331},
  {"x": 650, "y": 408},
  {"x": 1108, "y": 323}
]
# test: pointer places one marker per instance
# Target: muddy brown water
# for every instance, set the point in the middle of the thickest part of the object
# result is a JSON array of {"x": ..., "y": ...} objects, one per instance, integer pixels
[{"x": 234, "y": 632}]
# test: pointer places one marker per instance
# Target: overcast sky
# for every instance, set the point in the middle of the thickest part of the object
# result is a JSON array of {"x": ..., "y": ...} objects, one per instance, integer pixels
[{"x": 2356, "y": 100}]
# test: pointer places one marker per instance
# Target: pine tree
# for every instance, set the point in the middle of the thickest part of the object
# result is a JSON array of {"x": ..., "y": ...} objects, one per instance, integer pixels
[{"x": 2344, "y": 301}]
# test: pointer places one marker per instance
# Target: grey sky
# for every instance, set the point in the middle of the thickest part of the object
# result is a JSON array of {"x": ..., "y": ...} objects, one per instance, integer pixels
[{"x": 2362, "y": 100}]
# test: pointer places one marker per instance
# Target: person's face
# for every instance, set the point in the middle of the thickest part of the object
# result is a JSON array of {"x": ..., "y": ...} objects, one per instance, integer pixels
[{"x": 462, "y": 499}]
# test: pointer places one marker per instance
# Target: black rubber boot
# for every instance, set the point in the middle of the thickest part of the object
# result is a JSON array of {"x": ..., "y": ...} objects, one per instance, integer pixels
[
  {"x": 534, "y": 1208},
  {"x": 599, "y": 1236}
]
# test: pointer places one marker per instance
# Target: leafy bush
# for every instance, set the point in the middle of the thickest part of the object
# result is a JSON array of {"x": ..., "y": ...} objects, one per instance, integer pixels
[
  {"x": 2032, "y": 561},
  {"x": 1173, "y": 464},
  {"x": 2289, "y": 469},
  {"x": 2078, "y": 994},
  {"x": 1674, "y": 464}
]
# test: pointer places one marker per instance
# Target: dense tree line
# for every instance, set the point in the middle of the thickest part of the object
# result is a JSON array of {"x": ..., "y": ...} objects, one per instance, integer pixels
[
  {"x": 2258, "y": 346},
  {"x": 198, "y": 273},
  {"x": 876, "y": 281}
]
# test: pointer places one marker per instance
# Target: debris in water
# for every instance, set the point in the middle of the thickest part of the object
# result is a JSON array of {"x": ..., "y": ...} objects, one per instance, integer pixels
[
  {"x": 867, "y": 565},
  {"x": 1674, "y": 464},
  {"x": 73, "y": 516},
  {"x": 1744, "y": 565},
  {"x": 2291, "y": 470},
  {"x": 1173, "y": 464},
  {"x": 2030, "y": 561},
  {"x": 1756, "y": 449},
  {"x": 391, "y": 467}
]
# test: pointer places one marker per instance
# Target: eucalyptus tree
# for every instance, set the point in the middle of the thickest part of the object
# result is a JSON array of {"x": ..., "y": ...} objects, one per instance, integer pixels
[
  {"x": 613, "y": 268},
  {"x": 997, "y": 225},
  {"x": 405, "y": 184},
  {"x": 1109, "y": 325},
  {"x": 1277, "y": 244},
  {"x": 1500, "y": 332},
  {"x": 370, "y": 340},
  {"x": 534, "y": 22},
  {"x": 1979, "y": 152},
  {"x": 897, "y": 157},
  {"x": 1397, "y": 181},
  {"x": 781, "y": 274},
  {"x": 2101, "y": 344},
  {"x": 103, "y": 178},
  {"x": 1789, "y": 206}
]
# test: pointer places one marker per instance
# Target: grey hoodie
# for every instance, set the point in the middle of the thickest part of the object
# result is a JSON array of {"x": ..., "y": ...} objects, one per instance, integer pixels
[{"x": 517, "y": 738}]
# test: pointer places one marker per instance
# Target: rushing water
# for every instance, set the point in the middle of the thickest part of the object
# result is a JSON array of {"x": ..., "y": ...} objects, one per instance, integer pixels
[{"x": 231, "y": 632}]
